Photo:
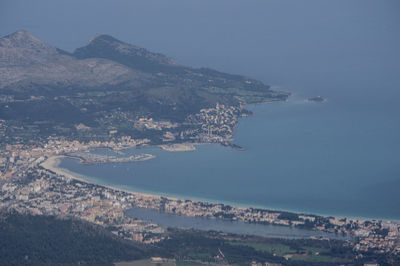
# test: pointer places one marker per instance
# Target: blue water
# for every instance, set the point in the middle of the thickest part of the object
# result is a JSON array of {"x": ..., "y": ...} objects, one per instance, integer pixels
[
  {"x": 340, "y": 157},
  {"x": 233, "y": 227}
]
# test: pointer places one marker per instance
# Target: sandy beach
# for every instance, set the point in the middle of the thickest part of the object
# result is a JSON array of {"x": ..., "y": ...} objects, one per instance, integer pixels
[{"x": 53, "y": 162}]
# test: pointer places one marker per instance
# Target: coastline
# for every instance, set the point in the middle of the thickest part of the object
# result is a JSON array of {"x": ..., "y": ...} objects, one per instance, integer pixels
[
  {"x": 52, "y": 164},
  {"x": 178, "y": 147}
]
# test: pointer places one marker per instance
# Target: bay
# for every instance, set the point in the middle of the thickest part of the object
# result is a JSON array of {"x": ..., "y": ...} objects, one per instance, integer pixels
[
  {"x": 337, "y": 158},
  {"x": 305, "y": 157}
]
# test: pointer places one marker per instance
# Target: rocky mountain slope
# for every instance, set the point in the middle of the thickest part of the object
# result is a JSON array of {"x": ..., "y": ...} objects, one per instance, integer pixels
[{"x": 28, "y": 64}]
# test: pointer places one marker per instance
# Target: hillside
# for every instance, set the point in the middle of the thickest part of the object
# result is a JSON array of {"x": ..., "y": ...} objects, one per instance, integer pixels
[
  {"x": 106, "y": 85},
  {"x": 48, "y": 240}
]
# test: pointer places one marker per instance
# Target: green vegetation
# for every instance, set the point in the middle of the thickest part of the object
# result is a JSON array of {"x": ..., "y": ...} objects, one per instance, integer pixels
[
  {"x": 39, "y": 240},
  {"x": 40, "y": 106},
  {"x": 318, "y": 259},
  {"x": 146, "y": 262},
  {"x": 209, "y": 246},
  {"x": 245, "y": 95},
  {"x": 47, "y": 240},
  {"x": 305, "y": 253},
  {"x": 189, "y": 263},
  {"x": 203, "y": 256},
  {"x": 278, "y": 249}
]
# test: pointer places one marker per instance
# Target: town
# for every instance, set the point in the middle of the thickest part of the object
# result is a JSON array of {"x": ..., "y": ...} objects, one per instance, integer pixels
[{"x": 29, "y": 185}]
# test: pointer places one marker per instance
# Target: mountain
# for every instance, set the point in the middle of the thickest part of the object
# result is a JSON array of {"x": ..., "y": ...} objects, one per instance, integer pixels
[
  {"x": 106, "y": 84},
  {"x": 28, "y": 64},
  {"x": 107, "y": 47}
]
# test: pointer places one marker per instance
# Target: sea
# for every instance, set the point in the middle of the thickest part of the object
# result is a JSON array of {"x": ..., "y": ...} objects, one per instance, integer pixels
[
  {"x": 340, "y": 157},
  {"x": 333, "y": 158}
]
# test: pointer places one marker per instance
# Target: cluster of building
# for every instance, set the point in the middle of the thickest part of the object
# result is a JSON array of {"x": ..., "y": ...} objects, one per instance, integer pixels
[
  {"x": 149, "y": 123},
  {"x": 377, "y": 236},
  {"x": 2, "y": 127},
  {"x": 41, "y": 192},
  {"x": 382, "y": 237},
  {"x": 215, "y": 125},
  {"x": 15, "y": 159}
]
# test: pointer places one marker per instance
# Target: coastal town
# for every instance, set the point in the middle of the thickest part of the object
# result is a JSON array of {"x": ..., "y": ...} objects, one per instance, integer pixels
[
  {"x": 100, "y": 157},
  {"x": 213, "y": 125},
  {"x": 32, "y": 183}
]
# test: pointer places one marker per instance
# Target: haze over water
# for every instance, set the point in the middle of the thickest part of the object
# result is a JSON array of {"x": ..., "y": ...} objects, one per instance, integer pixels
[{"x": 341, "y": 157}]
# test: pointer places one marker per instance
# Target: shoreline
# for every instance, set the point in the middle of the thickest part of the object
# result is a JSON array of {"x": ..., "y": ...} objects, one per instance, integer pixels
[
  {"x": 52, "y": 164},
  {"x": 178, "y": 147}
]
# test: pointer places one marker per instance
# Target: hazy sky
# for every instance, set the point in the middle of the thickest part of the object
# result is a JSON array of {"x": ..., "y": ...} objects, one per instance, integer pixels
[{"x": 268, "y": 39}]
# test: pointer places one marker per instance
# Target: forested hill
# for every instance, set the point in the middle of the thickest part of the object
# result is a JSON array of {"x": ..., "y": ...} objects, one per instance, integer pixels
[
  {"x": 48, "y": 240},
  {"x": 51, "y": 91}
]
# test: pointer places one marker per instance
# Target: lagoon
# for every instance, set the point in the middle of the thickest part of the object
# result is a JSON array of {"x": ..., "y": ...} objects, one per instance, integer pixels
[{"x": 227, "y": 226}]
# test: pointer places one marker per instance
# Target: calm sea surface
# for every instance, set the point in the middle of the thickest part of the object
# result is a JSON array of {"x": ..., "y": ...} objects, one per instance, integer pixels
[
  {"x": 235, "y": 227},
  {"x": 341, "y": 157}
]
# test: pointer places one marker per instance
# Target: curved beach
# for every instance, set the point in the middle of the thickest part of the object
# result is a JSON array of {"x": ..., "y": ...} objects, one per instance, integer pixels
[{"x": 52, "y": 164}]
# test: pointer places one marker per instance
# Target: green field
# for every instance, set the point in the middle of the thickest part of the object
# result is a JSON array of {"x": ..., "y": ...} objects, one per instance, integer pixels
[{"x": 305, "y": 253}]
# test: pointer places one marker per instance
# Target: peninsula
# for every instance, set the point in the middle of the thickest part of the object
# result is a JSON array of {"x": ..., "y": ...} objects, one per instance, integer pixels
[
  {"x": 90, "y": 158},
  {"x": 109, "y": 89}
]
